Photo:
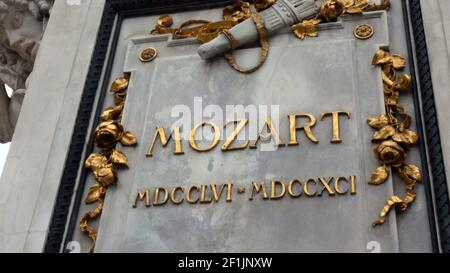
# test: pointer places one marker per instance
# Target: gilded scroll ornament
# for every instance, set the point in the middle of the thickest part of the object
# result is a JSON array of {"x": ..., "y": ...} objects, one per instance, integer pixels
[
  {"x": 393, "y": 135},
  {"x": 105, "y": 163}
]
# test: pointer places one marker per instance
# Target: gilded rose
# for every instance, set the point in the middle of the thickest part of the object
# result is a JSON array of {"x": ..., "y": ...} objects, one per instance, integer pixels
[
  {"x": 331, "y": 10},
  {"x": 390, "y": 153},
  {"x": 108, "y": 133}
]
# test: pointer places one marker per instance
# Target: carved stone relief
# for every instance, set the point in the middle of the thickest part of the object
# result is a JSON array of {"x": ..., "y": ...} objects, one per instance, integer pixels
[{"x": 22, "y": 25}]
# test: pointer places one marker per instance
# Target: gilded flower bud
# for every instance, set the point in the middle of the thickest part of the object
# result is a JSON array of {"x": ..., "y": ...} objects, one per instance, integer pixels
[
  {"x": 120, "y": 84},
  {"x": 410, "y": 174},
  {"x": 105, "y": 176}
]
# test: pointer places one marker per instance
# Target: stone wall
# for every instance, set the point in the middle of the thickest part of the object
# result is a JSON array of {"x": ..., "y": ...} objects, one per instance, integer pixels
[
  {"x": 436, "y": 18},
  {"x": 30, "y": 180}
]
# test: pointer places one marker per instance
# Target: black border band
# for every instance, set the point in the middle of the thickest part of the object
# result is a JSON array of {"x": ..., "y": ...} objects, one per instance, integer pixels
[
  {"x": 429, "y": 115},
  {"x": 62, "y": 221}
]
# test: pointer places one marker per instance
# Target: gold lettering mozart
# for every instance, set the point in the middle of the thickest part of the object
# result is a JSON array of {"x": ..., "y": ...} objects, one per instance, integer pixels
[{"x": 298, "y": 123}]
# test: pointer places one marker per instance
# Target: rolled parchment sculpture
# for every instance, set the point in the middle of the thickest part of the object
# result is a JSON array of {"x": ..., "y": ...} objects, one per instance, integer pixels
[{"x": 283, "y": 13}]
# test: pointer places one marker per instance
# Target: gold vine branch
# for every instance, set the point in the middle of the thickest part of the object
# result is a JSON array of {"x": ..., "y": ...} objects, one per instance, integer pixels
[
  {"x": 393, "y": 134},
  {"x": 330, "y": 11},
  {"x": 104, "y": 164}
]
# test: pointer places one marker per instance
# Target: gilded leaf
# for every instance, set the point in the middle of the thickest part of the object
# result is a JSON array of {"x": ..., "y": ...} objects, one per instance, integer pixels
[
  {"x": 96, "y": 161},
  {"x": 405, "y": 124},
  {"x": 112, "y": 112},
  {"x": 263, "y": 4},
  {"x": 412, "y": 136},
  {"x": 128, "y": 139},
  {"x": 381, "y": 57},
  {"x": 95, "y": 193},
  {"x": 384, "y": 133},
  {"x": 119, "y": 158},
  {"x": 378, "y": 122},
  {"x": 379, "y": 176},
  {"x": 407, "y": 137},
  {"x": 237, "y": 12},
  {"x": 357, "y": 7},
  {"x": 400, "y": 138},
  {"x": 361, "y": 3},
  {"x": 384, "y": 5},
  {"x": 306, "y": 28},
  {"x": 398, "y": 62},
  {"x": 346, "y": 3}
]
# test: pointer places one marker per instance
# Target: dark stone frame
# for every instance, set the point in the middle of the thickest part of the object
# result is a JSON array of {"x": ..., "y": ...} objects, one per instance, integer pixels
[
  {"x": 431, "y": 141},
  {"x": 65, "y": 222}
]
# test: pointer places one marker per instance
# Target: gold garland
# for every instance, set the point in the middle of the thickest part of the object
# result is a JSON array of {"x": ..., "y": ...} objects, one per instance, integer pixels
[
  {"x": 393, "y": 134},
  {"x": 104, "y": 164},
  {"x": 330, "y": 11},
  {"x": 263, "y": 39},
  {"x": 204, "y": 31}
]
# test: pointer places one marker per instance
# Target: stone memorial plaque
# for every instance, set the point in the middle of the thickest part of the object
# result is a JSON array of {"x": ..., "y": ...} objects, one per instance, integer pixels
[
  {"x": 320, "y": 189},
  {"x": 224, "y": 126},
  {"x": 192, "y": 155}
]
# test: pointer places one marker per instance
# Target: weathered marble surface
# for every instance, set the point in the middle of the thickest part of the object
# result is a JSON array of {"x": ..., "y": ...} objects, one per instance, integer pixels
[
  {"x": 37, "y": 155},
  {"x": 295, "y": 66},
  {"x": 30, "y": 180}
]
